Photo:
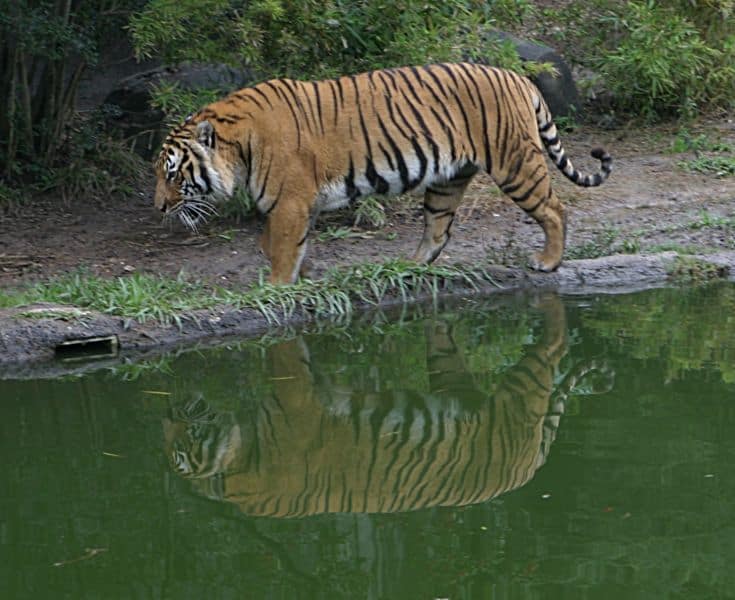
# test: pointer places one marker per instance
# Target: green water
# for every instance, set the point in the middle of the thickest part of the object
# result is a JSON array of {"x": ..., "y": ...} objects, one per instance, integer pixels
[{"x": 511, "y": 448}]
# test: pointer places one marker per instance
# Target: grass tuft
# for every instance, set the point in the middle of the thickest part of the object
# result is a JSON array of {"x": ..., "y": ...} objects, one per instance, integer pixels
[{"x": 167, "y": 301}]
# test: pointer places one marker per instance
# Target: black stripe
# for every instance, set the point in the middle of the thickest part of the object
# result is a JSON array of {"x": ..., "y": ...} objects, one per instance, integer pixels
[
  {"x": 257, "y": 90},
  {"x": 448, "y": 132},
  {"x": 265, "y": 180},
  {"x": 400, "y": 162},
  {"x": 422, "y": 163},
  {"x": 291, "y": 108},
  {"x": 462, "y": 75},
  {"x": 349, "y": 180},
  {"x": 341, "y": 92},
  {"x": 485, "y": 132},
  {"x": 387, "y": 156},
  {"x": 527, "y": 194},
  {"x": 334, "y": 100},
  {"x": 292, "y": 88},
  {"x": 438, "y": 192},
  {"x": 427, "y": 69},
  {"x": 446, "y": 68},
  {"x": 426, "y": 132},
  {"x": 377, "y": 182},
  {"x": 411, "y": 88},
  {"x": 319, "y": 105},
  {"x": 468, "y": 129}
]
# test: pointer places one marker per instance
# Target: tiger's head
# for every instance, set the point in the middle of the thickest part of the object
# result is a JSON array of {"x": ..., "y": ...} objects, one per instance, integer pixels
[
  {"x": 193, "y": 173},
  {"x": 200, "y": 443}
]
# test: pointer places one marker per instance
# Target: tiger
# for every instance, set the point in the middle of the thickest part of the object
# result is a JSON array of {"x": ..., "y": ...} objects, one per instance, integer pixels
[
  {"x": 302, "y": 147},
  {"x": 320, "y": 447}
]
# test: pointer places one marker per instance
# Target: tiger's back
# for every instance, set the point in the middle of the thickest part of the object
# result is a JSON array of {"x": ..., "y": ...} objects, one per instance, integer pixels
[{"x": 303, "y": 147}]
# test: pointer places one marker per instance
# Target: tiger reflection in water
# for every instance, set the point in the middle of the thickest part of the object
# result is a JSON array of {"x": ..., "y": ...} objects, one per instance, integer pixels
[{"x": 322, "y": 449}]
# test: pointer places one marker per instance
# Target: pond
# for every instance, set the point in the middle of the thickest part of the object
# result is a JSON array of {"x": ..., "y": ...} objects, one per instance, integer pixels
[{"x": 512, "y": 447}]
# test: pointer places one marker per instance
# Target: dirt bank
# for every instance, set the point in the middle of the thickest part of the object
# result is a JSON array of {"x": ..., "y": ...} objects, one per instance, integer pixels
[{"x": 651, "y": 208}]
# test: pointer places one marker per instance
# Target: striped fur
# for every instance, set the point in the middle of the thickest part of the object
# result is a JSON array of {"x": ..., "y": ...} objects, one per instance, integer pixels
[
  {"x": 318, "y": 446},
  {"x": 302, "y": 147}
]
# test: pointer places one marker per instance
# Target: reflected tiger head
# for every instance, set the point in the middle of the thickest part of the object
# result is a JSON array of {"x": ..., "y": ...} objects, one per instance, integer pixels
[{"x": 199, "y": 442}]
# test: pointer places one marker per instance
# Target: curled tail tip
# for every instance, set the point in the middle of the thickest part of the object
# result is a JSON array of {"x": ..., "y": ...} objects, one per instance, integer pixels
[{"x": 600, "y": 154}]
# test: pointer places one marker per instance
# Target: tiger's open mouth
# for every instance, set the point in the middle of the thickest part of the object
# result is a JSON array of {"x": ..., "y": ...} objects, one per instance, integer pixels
[{"x": 191, "y": 212}]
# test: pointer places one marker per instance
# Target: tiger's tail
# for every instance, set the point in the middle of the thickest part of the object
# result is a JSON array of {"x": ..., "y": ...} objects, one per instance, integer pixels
[{"x": 550, "y": 137}]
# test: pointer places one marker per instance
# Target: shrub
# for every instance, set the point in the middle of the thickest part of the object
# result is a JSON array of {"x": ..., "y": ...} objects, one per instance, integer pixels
[
  {"x": 660, "y": 63},
  {"x": 314, "y": 38}
]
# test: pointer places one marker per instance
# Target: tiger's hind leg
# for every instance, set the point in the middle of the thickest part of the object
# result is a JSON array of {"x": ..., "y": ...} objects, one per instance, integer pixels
[
  {"x": 440, "y": 205},
  {"x": 533, "y": 194}
]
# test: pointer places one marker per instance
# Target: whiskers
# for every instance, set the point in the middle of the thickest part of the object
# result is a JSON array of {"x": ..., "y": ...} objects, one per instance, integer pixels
[{"x": 192, "y": 212}]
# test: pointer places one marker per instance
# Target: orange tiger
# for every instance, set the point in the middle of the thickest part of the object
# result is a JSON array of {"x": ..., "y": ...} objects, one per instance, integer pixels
[{"x": 300, "y": 147}]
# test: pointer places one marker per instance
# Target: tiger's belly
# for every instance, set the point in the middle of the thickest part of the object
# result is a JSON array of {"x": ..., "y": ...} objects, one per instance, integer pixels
[{"x": 384, "y": 180}]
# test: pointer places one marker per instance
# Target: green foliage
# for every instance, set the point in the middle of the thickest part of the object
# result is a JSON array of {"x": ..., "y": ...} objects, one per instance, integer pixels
[
  {"x": 721, "y": 166},
  {"x": 371, "y": 212},
  {"x": 315, "y": 39},
  {"x": 147, "y": 297},
  {"x": 240, "y": 207},
  {"x": 679, "y": 327},
  {"x": 691, "y": 270},
  {"x": 142, "y": 297},
  {"x": 708, "y": 153},
  {"x": 45, "y": 46},
  {"x": 177, "y": 102},
  {"x": 602, "y": 245},
  {"x": 659, "y": 64},
  {"x": 686, "y": 142}
]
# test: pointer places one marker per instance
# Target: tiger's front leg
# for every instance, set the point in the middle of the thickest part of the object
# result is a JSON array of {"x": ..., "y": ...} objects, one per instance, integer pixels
[{"x": 284, "y": 241}]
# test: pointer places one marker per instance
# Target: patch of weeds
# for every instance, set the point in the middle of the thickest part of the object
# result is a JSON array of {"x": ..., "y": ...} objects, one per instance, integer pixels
[
  {"x": 630, "y": 246},
  {"x": 240, "y": 207},
  {"x": 721, "y": 166},
  {"x": 337, "y": 233},
  {"x": 707, "y": 220},
  {"x": 370, "y": 211},
  {"x": 13, "y": 298},
  {"x": 679, "y": 248},
  {"x": 601, "y": 245},
  {"x": 711, "y": 157},
  {"x": 510, "y": 253},
  {"x": 566, "y": 124},
  {"x": 140, "y": 297},
  {"x": 11, "y": 199},
  {"x": 167, "y": 301},
  {"x": 692, "y": 270},
  {"x": 685, "y": 142}
]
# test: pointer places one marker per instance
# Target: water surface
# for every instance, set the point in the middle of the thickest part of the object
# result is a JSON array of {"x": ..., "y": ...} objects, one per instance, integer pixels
[{"x": 509, "y": 448}]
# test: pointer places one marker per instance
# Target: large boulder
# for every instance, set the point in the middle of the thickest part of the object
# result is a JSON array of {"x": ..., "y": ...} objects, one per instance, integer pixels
[
  {"x": 128, "y": 106},
  {"x": 558, "y": 89}
]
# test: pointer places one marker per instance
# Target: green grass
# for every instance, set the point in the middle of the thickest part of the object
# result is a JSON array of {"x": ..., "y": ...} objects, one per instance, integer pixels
[
  {"x": 690, "y": 270},
  {"x": 167, "y": 301},
  {"x": 601, "y": 245},
  {"x": 721, "y": 166}
]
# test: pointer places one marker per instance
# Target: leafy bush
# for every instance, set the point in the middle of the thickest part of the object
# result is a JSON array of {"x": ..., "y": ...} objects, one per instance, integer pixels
[
  {"x": 660, "y": 63},
  {"x": 314, "y": 38},
  {"x": 45, "y": 46},
  {"x": 659, "y": 59}
]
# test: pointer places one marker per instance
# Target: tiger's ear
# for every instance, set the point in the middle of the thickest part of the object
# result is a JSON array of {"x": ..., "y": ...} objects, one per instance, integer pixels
[{"x": 205, "y": 134}]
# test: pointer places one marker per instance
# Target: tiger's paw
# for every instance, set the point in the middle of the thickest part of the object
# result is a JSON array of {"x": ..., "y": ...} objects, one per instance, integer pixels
[{"x": 538, "y": 262}]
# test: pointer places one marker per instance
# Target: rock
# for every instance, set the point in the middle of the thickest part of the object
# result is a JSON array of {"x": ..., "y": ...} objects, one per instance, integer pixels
[
  {"x": 560, "y": 91},
  {"x": 128, "y": 106}
]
